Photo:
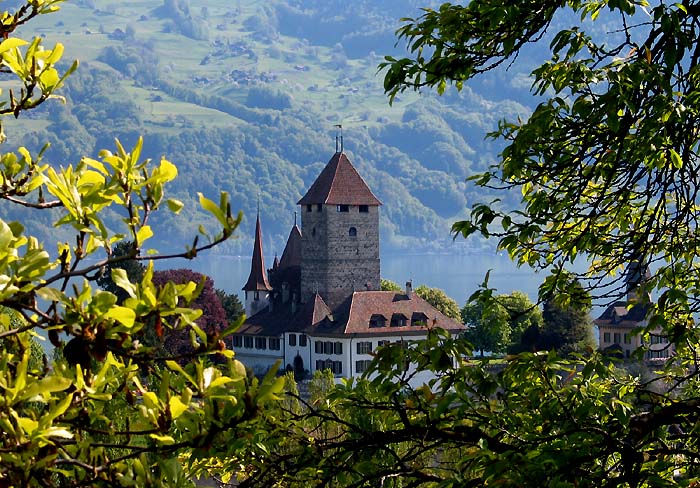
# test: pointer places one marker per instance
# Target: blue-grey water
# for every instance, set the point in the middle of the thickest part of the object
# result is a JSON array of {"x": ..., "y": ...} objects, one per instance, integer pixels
[{"x": 458, "y": 275}]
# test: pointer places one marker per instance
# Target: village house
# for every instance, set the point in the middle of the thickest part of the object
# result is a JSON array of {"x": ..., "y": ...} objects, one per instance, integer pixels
[
  {"x": 620, "y": 323},
  {"x": 320, "y": 305}
]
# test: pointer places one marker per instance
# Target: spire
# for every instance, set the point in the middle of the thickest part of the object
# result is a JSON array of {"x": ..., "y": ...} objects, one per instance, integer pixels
[
  {"x": 339, "y": 138},
  {"x": 257, "y": 280}
]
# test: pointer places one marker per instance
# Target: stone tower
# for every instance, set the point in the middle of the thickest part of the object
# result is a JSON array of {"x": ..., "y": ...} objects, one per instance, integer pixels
[
  {"x": 257, "y": 288},
  {"x": 340, "y": 239}
]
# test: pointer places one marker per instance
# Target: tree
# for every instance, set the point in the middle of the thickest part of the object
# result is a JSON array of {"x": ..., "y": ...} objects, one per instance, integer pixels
[
  {"x": 233, "y": 308},
  {"x": 498, "y": 325},
  {"x": 566, "y": 329},
  {"x": 212, "y": 317},
  {"x": 439, "y": 299},
  {"x": 606, "y": 166},
  {"x": 91, "y": 418},
  {"x": 123, "y": 254},
  {"x": 388, "y": 285}
]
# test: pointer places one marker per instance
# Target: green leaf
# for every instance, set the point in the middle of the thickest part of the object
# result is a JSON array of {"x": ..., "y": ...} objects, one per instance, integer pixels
[
  {"x": 175, "y": 205},
  {"x": 177, "y": 408},
  {"x": 124, "y": 315}
]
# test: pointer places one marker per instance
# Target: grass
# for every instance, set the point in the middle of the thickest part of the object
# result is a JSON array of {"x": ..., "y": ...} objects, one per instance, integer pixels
[{"x": 327, "y": 90}]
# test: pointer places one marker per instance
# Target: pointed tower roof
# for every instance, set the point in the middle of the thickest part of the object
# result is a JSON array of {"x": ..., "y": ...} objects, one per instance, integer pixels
[
  {"x": 339, "y": 184},
  {"x": 291, "y": 256},
  {"x": 257, "y": 280}
]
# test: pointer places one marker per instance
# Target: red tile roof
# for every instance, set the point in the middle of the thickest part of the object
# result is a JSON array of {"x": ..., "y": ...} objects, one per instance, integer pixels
[
  {"x": 339, "y": 184},
  {"x": 389, "y": 303},
  {"x": 257, "y": 280},
  {"x": 352, "y": 317}
]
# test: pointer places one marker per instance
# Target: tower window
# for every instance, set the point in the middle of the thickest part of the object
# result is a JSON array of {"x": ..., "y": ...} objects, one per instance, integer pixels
[
  {"x": 256, "y": 295},
  {"x": 343, "y": 208},
  {"x": 352, "y": 232},
  {"x": 364, "y": 208},
  {"x": 319, "y": 207},
  {"x": 313, "y": 231},
  {"x": 308, "y": 208}
]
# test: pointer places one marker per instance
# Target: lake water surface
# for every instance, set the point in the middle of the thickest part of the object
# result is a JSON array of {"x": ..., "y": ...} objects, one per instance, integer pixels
[{"x": 458, "y": 275}]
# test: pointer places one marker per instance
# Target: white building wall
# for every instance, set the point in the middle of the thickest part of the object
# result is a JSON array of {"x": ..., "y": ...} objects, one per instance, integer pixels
[
  {"x": 255, "y": 301},
  {"x": 256, "y": 358}
]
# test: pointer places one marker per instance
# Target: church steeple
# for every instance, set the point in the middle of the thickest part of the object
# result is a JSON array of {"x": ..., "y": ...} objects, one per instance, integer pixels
[{"x": 257, "y": 288}]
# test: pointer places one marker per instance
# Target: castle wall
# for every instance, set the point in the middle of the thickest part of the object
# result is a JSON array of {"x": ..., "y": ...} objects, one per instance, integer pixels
[{"x": 335, "y": 260}]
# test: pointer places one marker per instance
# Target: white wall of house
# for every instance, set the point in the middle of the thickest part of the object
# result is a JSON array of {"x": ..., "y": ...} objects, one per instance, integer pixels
[
  {"x": 347, "y": 357},
  {"x": 259, "y": 353},
  {"x": 296, "y": 344}
]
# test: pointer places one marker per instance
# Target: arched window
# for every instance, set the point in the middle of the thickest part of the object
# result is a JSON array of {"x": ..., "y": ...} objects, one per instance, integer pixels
[
  {"x": 313, "y": 231},
  {"x": 352, "y": 232}
]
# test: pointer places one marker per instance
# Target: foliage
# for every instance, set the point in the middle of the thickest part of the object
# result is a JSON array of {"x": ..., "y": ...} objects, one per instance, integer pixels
[
  {"x": 91, "y": 418},
  {"x": 536, "y": 420},
  {"x": 565, "y": 329},
  {"x": 233, "y": 308},
  {"x": 438, "y": 299},
  {"x": 388, "y": 285},
  {"x": 606, "y": 163},
  {"x": 495, "y": 326},
  {"x": 211, "y": 318},
  {"x": 606, "y": 167},
  {"x": 123, "y": 254}
]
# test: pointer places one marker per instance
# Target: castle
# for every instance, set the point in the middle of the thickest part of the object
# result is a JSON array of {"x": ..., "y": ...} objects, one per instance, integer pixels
[{"x": 320, "y": 305}]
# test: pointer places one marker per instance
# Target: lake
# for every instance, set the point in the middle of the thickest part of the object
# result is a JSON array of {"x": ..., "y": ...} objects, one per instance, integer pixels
[{"x": 458, "y": 275}]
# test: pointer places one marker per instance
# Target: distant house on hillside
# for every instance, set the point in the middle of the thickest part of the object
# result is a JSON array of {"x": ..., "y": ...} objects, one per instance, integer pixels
[
  {"x": 322, "y": 307},
  {"x": 619, "y": 323}
]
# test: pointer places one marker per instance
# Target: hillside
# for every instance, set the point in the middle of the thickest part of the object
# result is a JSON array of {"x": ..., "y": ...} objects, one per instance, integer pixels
[{"x": 243, "y": 96}]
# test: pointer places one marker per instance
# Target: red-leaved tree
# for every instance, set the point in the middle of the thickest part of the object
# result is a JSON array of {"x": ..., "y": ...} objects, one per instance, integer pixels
[{"x": 212, "y": 321}]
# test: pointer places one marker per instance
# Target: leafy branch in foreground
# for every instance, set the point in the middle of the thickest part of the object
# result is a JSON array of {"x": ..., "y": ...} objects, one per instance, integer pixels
[
  {"x": 607, "y": 163},
  {"x": 106, "y": 411}
]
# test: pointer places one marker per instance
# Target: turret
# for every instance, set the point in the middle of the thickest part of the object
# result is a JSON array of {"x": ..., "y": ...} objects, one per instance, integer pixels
[{"x": 257, "y": 289}]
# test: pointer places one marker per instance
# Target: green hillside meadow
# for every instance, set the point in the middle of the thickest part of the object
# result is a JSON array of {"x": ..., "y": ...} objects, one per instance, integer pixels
[{"x": 244, "y": 95}]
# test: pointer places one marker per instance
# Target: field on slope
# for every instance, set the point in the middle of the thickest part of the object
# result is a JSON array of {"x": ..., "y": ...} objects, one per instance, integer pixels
[{"x": 243, "y": 96}]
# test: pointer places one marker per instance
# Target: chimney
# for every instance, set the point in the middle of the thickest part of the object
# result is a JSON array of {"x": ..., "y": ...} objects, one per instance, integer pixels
[{"x": 409, "y": 288}]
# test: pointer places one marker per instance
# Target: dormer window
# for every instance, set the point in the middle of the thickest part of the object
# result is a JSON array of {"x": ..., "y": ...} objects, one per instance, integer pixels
[
  {"x": 398, "y": 320},
  {"x": 343, "y": 208},
  {"x": 419, "y": 319},
  {"x": 377, "y": 320},
  {"x": 364, "y": 208}
]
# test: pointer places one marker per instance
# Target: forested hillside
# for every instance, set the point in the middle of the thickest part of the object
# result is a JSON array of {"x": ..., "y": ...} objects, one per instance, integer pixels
[{"x": 243, "y": 96}]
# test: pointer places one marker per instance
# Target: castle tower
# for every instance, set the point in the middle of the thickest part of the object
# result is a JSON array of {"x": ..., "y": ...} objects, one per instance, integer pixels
[
  {"x": 257, "y": 288},
  {"x": 340, "y": 240}
]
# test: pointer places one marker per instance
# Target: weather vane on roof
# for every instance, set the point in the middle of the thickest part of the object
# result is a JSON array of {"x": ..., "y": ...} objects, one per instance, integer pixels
[{"x": 339, "y": 138}]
